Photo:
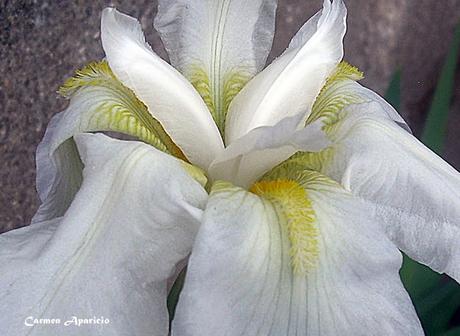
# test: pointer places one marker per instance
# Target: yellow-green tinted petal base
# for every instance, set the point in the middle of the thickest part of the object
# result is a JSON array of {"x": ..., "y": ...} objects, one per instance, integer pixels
[
  {"x": 114, "y": 107},
  {"x": 217, "y": 96},
  {"x": 331, "y": 100}
]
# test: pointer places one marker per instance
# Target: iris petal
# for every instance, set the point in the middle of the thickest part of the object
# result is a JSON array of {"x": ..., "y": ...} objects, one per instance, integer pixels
[
  {"x": 240, "y": 279},
  {"x": 291, "y": 83},
  {"x": 169, "y": 97},
  {"x": 219, "y": 45},
  {"x": 112, "y": 254}
]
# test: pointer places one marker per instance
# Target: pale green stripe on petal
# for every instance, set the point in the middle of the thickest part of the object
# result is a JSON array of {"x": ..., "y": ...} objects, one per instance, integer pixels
[
  {"x": 233, "y": 84},
  {"x": 200, "y": 81},
  {"x": 217, "y": 96}
]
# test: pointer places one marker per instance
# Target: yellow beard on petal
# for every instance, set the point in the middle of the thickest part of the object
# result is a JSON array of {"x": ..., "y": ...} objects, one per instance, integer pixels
[{"x": 291, "y": 200}]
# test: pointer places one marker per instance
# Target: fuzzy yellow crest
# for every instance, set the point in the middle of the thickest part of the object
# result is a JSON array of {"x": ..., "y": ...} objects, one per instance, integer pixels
[{"x": 291, "y": 199}]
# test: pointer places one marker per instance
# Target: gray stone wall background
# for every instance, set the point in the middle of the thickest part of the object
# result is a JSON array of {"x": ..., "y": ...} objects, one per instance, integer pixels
[{"x": 42, "y": 42}]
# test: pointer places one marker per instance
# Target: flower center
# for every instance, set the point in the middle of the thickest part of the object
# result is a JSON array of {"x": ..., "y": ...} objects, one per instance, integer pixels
[{"x": 292, "y": 201}]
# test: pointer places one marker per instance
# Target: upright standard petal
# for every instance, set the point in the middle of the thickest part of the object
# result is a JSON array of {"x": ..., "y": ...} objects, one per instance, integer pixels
[
  {"x": 170, "y": 98},
  {"x": 291, "y": 83},
  {"x": 111, "y": 255},
  {"x": 98, "y": 102},
  {"x": 219, "y": 45},
  {"x": 240, "y": 278},
  {"x": 415, "y": 193}
]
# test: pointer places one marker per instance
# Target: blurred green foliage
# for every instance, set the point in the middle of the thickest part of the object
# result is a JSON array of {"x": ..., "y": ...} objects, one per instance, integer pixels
[
  {"x": 436, "y": 297},
  {"x": 436, "y": 123},
  {"x": 174, "y": 293}
]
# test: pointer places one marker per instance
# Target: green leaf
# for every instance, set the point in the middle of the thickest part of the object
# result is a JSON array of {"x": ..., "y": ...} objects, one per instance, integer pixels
[
  {"x": 174, "y": 293},
  {"x": 418, "y": 279},
  {"x": 436, "y": 123},
  {"x": 393, "y": 94},
  {"x": 453, "y": 332},
  {"x": 437, "y": 308}
]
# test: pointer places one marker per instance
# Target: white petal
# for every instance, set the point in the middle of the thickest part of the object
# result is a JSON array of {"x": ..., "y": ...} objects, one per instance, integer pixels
[
  {"x": 170, "y": 98},
  {"x": 190, "y": 29},
  {"x": 133, "y": 220},
  {"x": 219, "y": 37},
  {"x": 59, "y": 169},
  {"x": 291, "y": 83},
  {"x": 370, "y": 96},
  {"x": 417, "y": 194},
  {"x": 240, "y": 281},
  {"x": 263, "y": 148}
]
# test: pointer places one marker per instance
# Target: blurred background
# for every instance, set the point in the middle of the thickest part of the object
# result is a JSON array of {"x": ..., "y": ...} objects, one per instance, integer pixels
[{"x": 42, "y": 42}]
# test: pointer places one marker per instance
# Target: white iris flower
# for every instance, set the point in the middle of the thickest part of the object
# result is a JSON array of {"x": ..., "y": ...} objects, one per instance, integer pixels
[{"x": 288, "y": 190}]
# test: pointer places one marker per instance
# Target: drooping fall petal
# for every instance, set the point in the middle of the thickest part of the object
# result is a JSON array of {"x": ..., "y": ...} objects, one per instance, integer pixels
[
  {"x": 415, "y": 193},
  {"x": 240, "y": 279},
  {"x": 112, "y": 254}
]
